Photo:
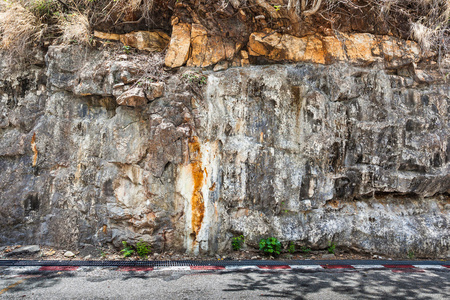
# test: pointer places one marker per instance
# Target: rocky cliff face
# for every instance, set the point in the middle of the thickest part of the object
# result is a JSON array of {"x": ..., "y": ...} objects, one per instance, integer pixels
[{"x": 349, "y": 143}]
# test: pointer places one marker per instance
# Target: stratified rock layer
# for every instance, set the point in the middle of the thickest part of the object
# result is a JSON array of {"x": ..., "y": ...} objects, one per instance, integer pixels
[{"x": 309, "y": 153}]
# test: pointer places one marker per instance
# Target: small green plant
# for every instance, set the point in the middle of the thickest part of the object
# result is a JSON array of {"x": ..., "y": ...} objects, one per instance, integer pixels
[
  {"x": 305, "y": 249},
  {"x": 291, "y": 248},
  {"x": 237, "y": 242},
  {"x": 270, "y": 245},
  {"x": 126, "y": 49},
  {"x": 103, "y": 254},
  {"x": 331, "y": 247},
  {"x": 142, "y": 249},
  {"x": 195, "y": 78},
  {"x": 127, "y": 250},
  {"x": 411, "y": 254}
]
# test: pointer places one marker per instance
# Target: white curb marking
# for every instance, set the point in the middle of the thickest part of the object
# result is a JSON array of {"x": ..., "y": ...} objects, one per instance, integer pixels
[
  {"x": 241, "y": 268},
  {"x": 429, "y": 267},
  {"x": 173, "y": 268},
  {"x": 368, "y": 266},
  {"x": 306, "y": 267}
]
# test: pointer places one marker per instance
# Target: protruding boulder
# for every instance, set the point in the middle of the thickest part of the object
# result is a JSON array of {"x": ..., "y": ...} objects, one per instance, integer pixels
[
  {"x": 146, "y": 40},
  {"x": 154, "y": 90},
  {"x": 133, "y": 97},
  {"x": 178, "y": 51},
  {"x": 206, "y": 50}
]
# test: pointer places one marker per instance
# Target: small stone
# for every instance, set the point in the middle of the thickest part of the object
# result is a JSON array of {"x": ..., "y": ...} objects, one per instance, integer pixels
[
  {"x": 51, "y": 252},
  {"x": 221, "y": 66},
  {"x": 87, "y": 257},
  {"x": 260, "y": 17},
  {"x": 155, "y": 254},
  {"x": 256, "y": 257},
  {"x": 328, "y": 256},
  {"x": 69, "y": 254}
]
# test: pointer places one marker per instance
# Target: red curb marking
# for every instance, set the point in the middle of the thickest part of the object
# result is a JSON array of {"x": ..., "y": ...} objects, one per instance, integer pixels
[
  {"x": 274, "y": 267},
  {"x": 446, "y": 266},
  {"x": 135, "y": 269},
  {"x": 399, "y": 266},
  {"x": 337, "y": 266},
  {"x": 207, "y": 268},
  {"x": 408, "y": 270},
  {"x": 58, "y": 268}
]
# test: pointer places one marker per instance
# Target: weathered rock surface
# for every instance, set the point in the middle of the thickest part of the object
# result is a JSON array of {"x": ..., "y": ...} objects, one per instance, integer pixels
[
  {"x": 146, "y": 40},
  {"x": 143, "y": 40},
  {"x": 357, "y": 48},
  {"x": 180, "y": 42},
  {"x": 353, "y": 154},
  {"x": 133, "y": 97}
]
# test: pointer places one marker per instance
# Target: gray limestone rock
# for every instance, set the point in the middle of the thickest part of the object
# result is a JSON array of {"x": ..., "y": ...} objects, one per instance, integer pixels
[
  {"x": 25, "y": 250},
  {"x": 305, "y": 153}
]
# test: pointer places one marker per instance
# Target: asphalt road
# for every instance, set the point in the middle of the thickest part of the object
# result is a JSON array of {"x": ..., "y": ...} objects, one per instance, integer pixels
[{"x": 109, "y": 283}]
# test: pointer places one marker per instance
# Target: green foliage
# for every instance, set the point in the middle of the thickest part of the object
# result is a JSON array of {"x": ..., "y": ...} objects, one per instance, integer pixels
[
  {"x": 270, "y": 246},
  {"x": 199, "y": 79},
  {"x": 126, "y": 49},
  {"x": 127, "y": 250},
  {"x": 331, "y": 247},
  {"x": 305, "y": 249},
  {"x": 142, "y": 249},
  {"x": 411, "y": 254},
  {"x": 237, "y": 242},
  {"x": 291, "y": 248},
  {"x": 44, "y": 9}
]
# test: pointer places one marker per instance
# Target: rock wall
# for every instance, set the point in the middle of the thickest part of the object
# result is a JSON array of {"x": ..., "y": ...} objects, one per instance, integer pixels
[{"x": 348, "y": 146}]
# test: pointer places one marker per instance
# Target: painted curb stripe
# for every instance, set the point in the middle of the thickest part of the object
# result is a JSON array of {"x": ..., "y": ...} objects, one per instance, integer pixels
[
  {"x": 368, "y": 266},
  {"x": 274, "y": 267},
  {"x": 241, "y": 268},
  {"x": 337, "y": 267},
  {"x": 135, "y": 269},
  {"x": 399, "y": 266},
  {"x": 429, "y": 267},
  {"x": 58, "y": 268},
  {"x": 306, "y": 267},
  {"x": 446, "y": 266},
  {"x": 174, "y": 268},
  {"x": 202, "y": 268}
]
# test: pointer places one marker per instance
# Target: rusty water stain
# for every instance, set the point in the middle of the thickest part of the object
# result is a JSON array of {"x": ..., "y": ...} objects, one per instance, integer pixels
[
  {"x": 105, "y": 228},
  {"x": 198, "y": 175},
  {"x": 34, "y": 149}
]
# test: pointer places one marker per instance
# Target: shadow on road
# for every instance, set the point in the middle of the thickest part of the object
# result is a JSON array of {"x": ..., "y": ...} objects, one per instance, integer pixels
[{"x": 360, "y": 285}]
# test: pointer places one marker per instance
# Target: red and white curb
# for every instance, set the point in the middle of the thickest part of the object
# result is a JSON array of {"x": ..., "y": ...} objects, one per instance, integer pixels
[{"x": 396, "y": 268}]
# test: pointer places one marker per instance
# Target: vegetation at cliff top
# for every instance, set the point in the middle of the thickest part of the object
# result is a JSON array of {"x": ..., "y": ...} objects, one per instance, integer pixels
[{"x": 26, "y": 23}]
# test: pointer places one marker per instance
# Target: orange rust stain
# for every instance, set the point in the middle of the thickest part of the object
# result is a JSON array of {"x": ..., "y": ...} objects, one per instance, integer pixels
[
  {"x": 213, "y": 187},
  {"x": 34, "y": 149},
  {"x": 198, "y": 175},
  {"x": 105, "y": 229}
]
